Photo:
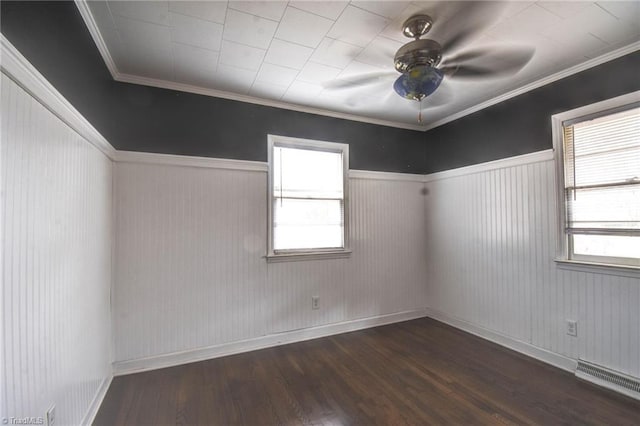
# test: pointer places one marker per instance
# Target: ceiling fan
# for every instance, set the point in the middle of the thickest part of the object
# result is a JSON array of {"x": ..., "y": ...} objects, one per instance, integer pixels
[{"x": 424, "y": 64}]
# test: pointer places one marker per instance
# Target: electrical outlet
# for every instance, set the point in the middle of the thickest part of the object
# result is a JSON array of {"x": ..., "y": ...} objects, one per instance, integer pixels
[
  {"x": 315, "y": 302},
  {"x": 572, "y": 328},
  {"x": 51, "y": 416}
]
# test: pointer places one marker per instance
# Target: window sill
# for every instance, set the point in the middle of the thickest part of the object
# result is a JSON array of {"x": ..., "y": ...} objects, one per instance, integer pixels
[
  {"x": 294, "y": 257},
  {"x": 599, "y": 268}
]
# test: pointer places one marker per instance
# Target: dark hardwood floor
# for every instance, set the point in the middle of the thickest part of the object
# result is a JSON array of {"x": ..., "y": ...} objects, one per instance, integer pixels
[{"x": 415, "y": 372}]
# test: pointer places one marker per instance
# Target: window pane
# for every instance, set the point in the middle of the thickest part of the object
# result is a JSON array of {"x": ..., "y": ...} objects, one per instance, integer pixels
[
  {"x": 617, "y": 207},
  {"x": 307, "y": 173},
  {"x": 608, "y": 167},
  {"x": 602, "y": 155},
  {"x": 607, "y": 245},
  {"x": 307, "y": 224},
  {"x": 606, "y": 149},
  {"x": 610, "y": 132}
]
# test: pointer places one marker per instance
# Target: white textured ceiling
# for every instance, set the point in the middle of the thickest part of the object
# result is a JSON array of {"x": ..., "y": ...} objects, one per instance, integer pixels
[{"x": 279, "y": 52}]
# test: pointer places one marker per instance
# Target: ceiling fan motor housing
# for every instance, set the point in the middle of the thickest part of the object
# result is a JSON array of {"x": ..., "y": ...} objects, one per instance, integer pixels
[{"x": 418, "y": 52}]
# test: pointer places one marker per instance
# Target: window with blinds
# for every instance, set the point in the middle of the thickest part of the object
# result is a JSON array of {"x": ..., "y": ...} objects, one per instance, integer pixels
[
  {"x": 602, "y": 187},
  {"x": 307, "y": 196}
]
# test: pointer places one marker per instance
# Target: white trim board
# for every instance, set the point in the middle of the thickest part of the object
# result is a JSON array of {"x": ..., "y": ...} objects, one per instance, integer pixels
[
  {"x": 127, "y": 78},
  {"x": 189, "y": 161},
  {"x": 201, "y": 354},
  {"x": 260, "y": 166},
  {"x": 252, "y": 166},
  {"x": 92, "y": 26},
  {"x": 368, "y": 174},
  {"x": 20, "y": 70},
  {"x": 552, "y": 358},
  {"x": 96, "y": 402},
  {"x": 519, "y": 160}
]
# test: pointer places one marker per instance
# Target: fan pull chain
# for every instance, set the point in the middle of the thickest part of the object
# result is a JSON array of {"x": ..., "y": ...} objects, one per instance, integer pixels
[{"x": 420, "y": 112}]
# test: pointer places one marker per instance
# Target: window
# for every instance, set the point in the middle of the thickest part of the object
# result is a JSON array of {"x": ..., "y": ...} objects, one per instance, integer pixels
[
  {"x": 601, "y": 185},
  {"x": 307, "y": 198}
]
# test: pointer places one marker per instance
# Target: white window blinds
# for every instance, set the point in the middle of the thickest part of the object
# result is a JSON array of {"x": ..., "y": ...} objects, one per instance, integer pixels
[
  {"x": 308, "y": 199},
  {"x": 602, "y": 187}
]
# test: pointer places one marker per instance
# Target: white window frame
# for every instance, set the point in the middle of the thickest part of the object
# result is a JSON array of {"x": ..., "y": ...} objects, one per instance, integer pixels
[
  {"x": 304, "y": 254},
  {"x": 587, "y": 263}
]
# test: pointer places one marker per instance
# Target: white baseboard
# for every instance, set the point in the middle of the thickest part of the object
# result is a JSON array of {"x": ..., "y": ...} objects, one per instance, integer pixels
[
  {"x": 201, "y": 354},
  {"x": 90, "y": 415},
  {"x": 552, "y": 358}
]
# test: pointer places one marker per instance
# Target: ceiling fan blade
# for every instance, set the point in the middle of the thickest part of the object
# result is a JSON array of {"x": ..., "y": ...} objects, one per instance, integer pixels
[
  {"x": 497, "y": 62},
  {"x": 360, "y": 81},
  {"x": 491, "y": 55},
  {"x": 471, "y": 72},
  {"x": 355, "y": 101},
  {"x": 466, "y": 71},
  {"x": 469, "y": 22},
  {"x": 467, "y": 55},
  {"x": 386, "y": 51}
]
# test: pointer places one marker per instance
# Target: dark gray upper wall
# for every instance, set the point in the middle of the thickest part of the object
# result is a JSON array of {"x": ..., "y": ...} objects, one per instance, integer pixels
[
  {"x": 522, "y": 125},
  {"x": 54, "y": 38}
]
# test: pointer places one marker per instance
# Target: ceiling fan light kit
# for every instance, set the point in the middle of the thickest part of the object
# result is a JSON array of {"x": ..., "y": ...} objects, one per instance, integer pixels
[{"x": 418, "y": 83}]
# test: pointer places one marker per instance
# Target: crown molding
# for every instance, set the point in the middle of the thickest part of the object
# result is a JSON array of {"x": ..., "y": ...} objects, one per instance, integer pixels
[
  {"x": 20, "y": 70},
  {"x": 539, "y": 83},
  {"x": 181, "y": 87},
  {"x": 519, "y": 160},
  {"x": 163, "y": 84},
  {"x": 92, "y": 26}
]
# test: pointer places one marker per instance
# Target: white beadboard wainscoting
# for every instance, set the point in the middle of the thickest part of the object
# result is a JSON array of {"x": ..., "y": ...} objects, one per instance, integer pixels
[
  {"x": 56, "y": 264},
  {"x": 190, "y": 272},
  {"x": 491, "y": 241}
]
